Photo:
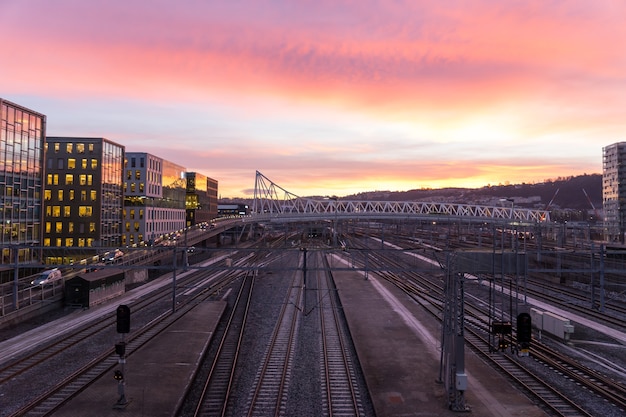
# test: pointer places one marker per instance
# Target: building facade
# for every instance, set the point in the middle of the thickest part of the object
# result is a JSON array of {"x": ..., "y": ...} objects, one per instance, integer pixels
[
  {"x": 233, "y": 210},
  {"x": 22, "y": 139},
  {"x": 614, "y": 191},
  {"x": 154, "y": 203},
  {"x": 83, "y": 196},
  {"x": 201, "y": 199}
]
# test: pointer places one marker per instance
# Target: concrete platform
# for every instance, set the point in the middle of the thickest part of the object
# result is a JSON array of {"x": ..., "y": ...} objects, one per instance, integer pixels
[
  {"x": 157, "y": 374},
  {"x": 397, "y": 343}
]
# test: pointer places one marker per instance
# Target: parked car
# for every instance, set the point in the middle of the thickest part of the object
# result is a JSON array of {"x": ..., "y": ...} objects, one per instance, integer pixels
[{"x": 47, "y": 277}]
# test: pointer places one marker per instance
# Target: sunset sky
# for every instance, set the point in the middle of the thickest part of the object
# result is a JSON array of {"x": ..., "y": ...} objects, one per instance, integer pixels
[{"x": 330, "y": 97}]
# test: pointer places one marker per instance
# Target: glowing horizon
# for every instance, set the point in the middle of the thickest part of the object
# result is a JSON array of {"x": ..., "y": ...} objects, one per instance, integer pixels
[{"x": 328, "y": 98}]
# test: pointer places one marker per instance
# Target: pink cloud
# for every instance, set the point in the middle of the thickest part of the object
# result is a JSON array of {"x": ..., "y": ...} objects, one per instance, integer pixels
[{"x": 558, "y": 66}]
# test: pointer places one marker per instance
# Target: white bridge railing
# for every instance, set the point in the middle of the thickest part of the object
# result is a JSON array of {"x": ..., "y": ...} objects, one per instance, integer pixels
[{"x": 271, "y": 201}]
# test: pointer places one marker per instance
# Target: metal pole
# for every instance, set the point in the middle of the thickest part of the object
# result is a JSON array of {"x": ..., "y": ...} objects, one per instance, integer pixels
[
  {"x": 16, "y": 301},
  {"x": 174, "y": 284}
]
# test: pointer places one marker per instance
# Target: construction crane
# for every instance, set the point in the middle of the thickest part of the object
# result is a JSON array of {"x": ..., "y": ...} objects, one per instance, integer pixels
[
  {"x": 595, "y": 211},
  {"x": 552, "y": 200}
]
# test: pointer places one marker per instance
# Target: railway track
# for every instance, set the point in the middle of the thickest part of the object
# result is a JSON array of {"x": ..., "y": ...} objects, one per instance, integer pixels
[
  {"x": 60, "y": 391},
  {"x": 339, "y": 388},
  {"x": 215, "y": 394},
  {"x": 17, "y": 363},
  {"x": 426, "y": 293},
  {"x": 269, "y": 394}
]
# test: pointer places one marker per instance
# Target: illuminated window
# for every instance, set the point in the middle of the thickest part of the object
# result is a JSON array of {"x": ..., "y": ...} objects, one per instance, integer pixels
[
  {"x": 57, "y": 147},
  {"x": 94, "y": 195},
  {"x": 90, "y": 242},
  {"x": 49, "y": 179},
  {"x": 137, "y": 175},
  {"x": 92, "y": 227},
  {"x": 136, "y": 226},
  {"x": 81, "y": 242},
  {"x": 67, "y": 210},
  {"x": 60, "y": 195},
  {"x": 55, "y": 179},
  {"x": 141, "y": 214},
  {"x": 46, "y": 241},
  {"x": 69, "y": 179},
  {"x": 132, "y": 187},
  {"x": 90, "y": 150},
  {"x": 141, "y": 187},
  {"x": 47, "y": 194},
  {"x": 80, "y": 147},
  {"x": 70, "y": 227},
  {"x": 82, "y": 179},
  {"x": 128, "y": 226},
  {"x": 128, "y": 174},
  {"x": 83, "y": 163},
  {"x": 48, "y": 227},
  {"x": 48, "y": 210},
  {"x": 71, "y": 195},
  {"x": 59, "y": 242},
  {"x": 58, "y": 227},
  {"x": 56, "y": 211},
  {"x": 132, "y": 214},
  {"x": 94, "y": 163},
  {"x": 69, "y": 241},
  {"x": 89, "y": 179},
  {"x": 85, "y": 211},
  {"x": 69, "y": 147},
  {"x": 83, "y": 195},
  {"x": 71, "y": 163}
]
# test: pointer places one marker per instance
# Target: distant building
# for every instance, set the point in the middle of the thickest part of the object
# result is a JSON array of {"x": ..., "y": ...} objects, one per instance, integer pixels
[
  {"x": 83, "y": 196},
  {"x": 22, "y": 138},
  {"x": 201, "y": 202},
  {"x": 614, "y": 191},
  {"x": 225, "y": 210},
  {"x": 154, "y": 203}
]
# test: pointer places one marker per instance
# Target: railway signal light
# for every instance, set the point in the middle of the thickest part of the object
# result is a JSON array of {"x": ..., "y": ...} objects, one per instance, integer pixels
[
  {"x": 501, "y": 327},
  {"x": 120, "y": 349},
  {"x": 524, "y": 332},
  {"x": 123, "y": 319}
]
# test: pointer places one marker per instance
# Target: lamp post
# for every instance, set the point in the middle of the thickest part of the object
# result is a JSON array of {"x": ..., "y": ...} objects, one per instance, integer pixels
[{"x": 334, "y": 199}]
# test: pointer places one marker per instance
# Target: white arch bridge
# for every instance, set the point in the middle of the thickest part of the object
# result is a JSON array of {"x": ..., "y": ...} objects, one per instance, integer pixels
[{"x": 274, "y": 203}]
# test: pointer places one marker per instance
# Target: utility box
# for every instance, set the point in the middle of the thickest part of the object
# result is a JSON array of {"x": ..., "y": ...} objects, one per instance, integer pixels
[{"x": 461, "y": 382}]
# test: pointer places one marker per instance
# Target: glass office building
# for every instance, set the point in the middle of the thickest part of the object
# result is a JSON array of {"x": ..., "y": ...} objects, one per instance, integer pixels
[
  {"x": 154, "y": 202},
  {"x": 201, "y": 198},
  {"x": 22, "y": 137}
]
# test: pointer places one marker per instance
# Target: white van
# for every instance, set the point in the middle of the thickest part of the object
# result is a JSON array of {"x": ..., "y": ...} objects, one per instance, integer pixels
[{"x": 47, "y": 277}]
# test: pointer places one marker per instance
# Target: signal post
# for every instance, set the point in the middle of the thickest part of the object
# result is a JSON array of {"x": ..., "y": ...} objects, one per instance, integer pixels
[{"x": 123, "y": 327}]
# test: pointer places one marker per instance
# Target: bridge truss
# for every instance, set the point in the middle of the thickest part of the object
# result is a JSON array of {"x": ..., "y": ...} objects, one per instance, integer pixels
[{"x": 272, "y": 201}]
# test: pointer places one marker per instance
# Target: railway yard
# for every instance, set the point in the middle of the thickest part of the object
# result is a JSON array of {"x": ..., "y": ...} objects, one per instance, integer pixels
[{"x": 341, "y": 320}]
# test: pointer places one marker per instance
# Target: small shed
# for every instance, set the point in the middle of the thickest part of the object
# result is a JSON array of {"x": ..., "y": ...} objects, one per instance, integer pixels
[{"x": 89, "y": 289}]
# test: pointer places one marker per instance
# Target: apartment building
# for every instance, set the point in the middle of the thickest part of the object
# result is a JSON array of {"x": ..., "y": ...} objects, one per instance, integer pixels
[
  {"x": 614, "y": 191},
  {"x": 83, "y": 196}
]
